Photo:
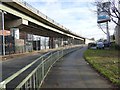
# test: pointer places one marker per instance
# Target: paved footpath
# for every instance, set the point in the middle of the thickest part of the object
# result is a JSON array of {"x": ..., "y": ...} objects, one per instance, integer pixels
[{"x": 73, "y": 71}]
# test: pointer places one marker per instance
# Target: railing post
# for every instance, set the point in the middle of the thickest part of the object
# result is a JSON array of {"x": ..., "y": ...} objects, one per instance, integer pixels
[
  {"x": 58, "y": 54},
  {"x": 43, "y": 70},
  {"x": 51, "y": 59},
  {"x": 2, "y": 86}
]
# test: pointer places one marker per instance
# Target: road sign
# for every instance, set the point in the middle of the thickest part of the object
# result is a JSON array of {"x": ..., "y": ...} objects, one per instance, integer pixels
[{"x": 103, "y": 12}]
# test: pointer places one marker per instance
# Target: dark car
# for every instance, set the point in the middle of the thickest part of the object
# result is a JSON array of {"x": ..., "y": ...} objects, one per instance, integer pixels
[
  {"x": 92, "y": 46},
  {"x": 106, "y": 44}
]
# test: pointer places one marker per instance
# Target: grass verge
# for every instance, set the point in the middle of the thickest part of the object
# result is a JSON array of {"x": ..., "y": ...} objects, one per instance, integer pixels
[{"x": 107, "y": 62}]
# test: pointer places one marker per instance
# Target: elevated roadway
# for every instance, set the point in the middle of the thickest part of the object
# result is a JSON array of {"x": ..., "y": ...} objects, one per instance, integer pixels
[
  {"x": 23, "y": 22},
  {"x": 22, "y": 15}
]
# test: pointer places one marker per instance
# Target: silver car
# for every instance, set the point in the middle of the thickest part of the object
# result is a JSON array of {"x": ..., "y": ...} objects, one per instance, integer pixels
[{"x": 100, "y": 45}]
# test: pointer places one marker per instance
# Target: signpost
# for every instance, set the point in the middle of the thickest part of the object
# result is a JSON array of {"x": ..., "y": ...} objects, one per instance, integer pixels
[
  {"x": 103, "y": 11},
  {"x": 103, "y": 15}
]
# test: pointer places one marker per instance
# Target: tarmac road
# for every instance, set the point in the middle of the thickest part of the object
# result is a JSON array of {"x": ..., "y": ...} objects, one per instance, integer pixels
[
  {"x": 11, "y": 66},
  {"x": 73, "y": 71}
]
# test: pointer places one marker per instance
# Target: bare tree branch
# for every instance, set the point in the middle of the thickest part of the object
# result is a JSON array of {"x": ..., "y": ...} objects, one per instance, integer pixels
[
  {"x": 113, "y": 15},
  {"x": 115, "y": 12},
  {"x": 115, "y": 22},
  {"x": 101, "y": 29}
]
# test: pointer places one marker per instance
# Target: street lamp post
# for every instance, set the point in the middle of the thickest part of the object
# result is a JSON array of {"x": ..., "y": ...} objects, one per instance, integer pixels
[{"x": 3, "y": 38}]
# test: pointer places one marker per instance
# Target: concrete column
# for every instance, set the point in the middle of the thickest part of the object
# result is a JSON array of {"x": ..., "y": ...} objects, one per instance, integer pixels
[
  {"x": 67, "y": 41},
  {"x": 73, "y": 42},
  {"x": 51, "y": 42},
  {"x": 70, "y": 41},
  {"x": 32, "y": 41},
  {"x": 56, "y": 42},
  {"x": 40, "y": 43},
  {"x": 59, "y": 40},
  {"x": 45, "y": 42},
  {"x": 36, "y": 44},
  {"x": 15, "y": 32},
  {"x": 62, "y": 41},
  {"x": 21, "y": 42},
  {"x": 77, "y": 42}
]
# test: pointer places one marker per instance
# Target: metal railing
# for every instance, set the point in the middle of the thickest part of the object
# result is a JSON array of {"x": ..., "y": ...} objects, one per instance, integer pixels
[{"x": 36, "y": 77}]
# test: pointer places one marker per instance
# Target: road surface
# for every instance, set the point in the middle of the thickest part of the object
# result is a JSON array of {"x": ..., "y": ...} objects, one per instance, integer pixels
[
  {"x": 9, "y": 67},
  {"x": 73, "y": 71}
]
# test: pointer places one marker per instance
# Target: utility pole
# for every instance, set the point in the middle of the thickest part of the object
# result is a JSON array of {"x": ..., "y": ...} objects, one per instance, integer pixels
[
  {"x": 108, "y": 34},
  {"x": 103, "y": 10}
]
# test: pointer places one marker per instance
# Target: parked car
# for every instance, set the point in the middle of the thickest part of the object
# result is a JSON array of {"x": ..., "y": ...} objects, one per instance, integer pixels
[
  {"x": 92, "y": 46},
  {"x": 106, "y": 44},
  {"x": 100, "y": 45}
]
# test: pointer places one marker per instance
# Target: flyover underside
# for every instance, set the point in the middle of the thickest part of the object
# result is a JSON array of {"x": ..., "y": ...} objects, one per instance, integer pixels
[{"x": 39, "y": 31}]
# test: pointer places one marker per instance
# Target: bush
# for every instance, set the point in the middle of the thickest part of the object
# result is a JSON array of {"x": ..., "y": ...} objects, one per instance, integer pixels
[{"x": 115, "y": 46}]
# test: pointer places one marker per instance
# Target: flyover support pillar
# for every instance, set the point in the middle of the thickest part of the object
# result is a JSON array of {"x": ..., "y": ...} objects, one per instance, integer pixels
[
  {"x": 15, "y": 33},
  {"x": 32, "y": 40},
  {"x": 62, "y": 42},
  {"x": 73, "y": 41},
  {"x": 19, "y": 44},
  {"x": 51, "y": 43},
  {"x": 45, "y": 43}
]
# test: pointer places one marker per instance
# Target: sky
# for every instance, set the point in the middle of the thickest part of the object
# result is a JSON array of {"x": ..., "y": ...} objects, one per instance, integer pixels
[{"x": 78, "y": 16}]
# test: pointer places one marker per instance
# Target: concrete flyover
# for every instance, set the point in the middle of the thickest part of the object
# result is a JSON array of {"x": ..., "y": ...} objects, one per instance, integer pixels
[{"x": 20, "y": 19}]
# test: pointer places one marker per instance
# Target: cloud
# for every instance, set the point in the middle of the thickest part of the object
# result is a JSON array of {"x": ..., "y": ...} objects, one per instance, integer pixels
[
  {"x": 76, "y": 15},
  {"x": 49, "y": 1}
]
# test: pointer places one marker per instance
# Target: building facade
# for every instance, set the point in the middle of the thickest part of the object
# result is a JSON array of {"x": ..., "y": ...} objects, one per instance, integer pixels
[
  {"x": 117, "y": 29},
  {"x": 117, "y": 34}
]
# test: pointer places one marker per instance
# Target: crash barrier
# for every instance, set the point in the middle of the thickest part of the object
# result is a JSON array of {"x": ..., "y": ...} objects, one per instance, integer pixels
[{"x": 35, "y": 78}]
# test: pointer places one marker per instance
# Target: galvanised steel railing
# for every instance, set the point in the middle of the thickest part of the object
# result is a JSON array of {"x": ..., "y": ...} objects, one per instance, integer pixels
[{"x": 36, "y": 77}]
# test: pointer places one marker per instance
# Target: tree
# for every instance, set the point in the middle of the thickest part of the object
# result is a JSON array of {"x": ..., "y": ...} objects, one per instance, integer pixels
[{"x": 114, "y": 11}]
